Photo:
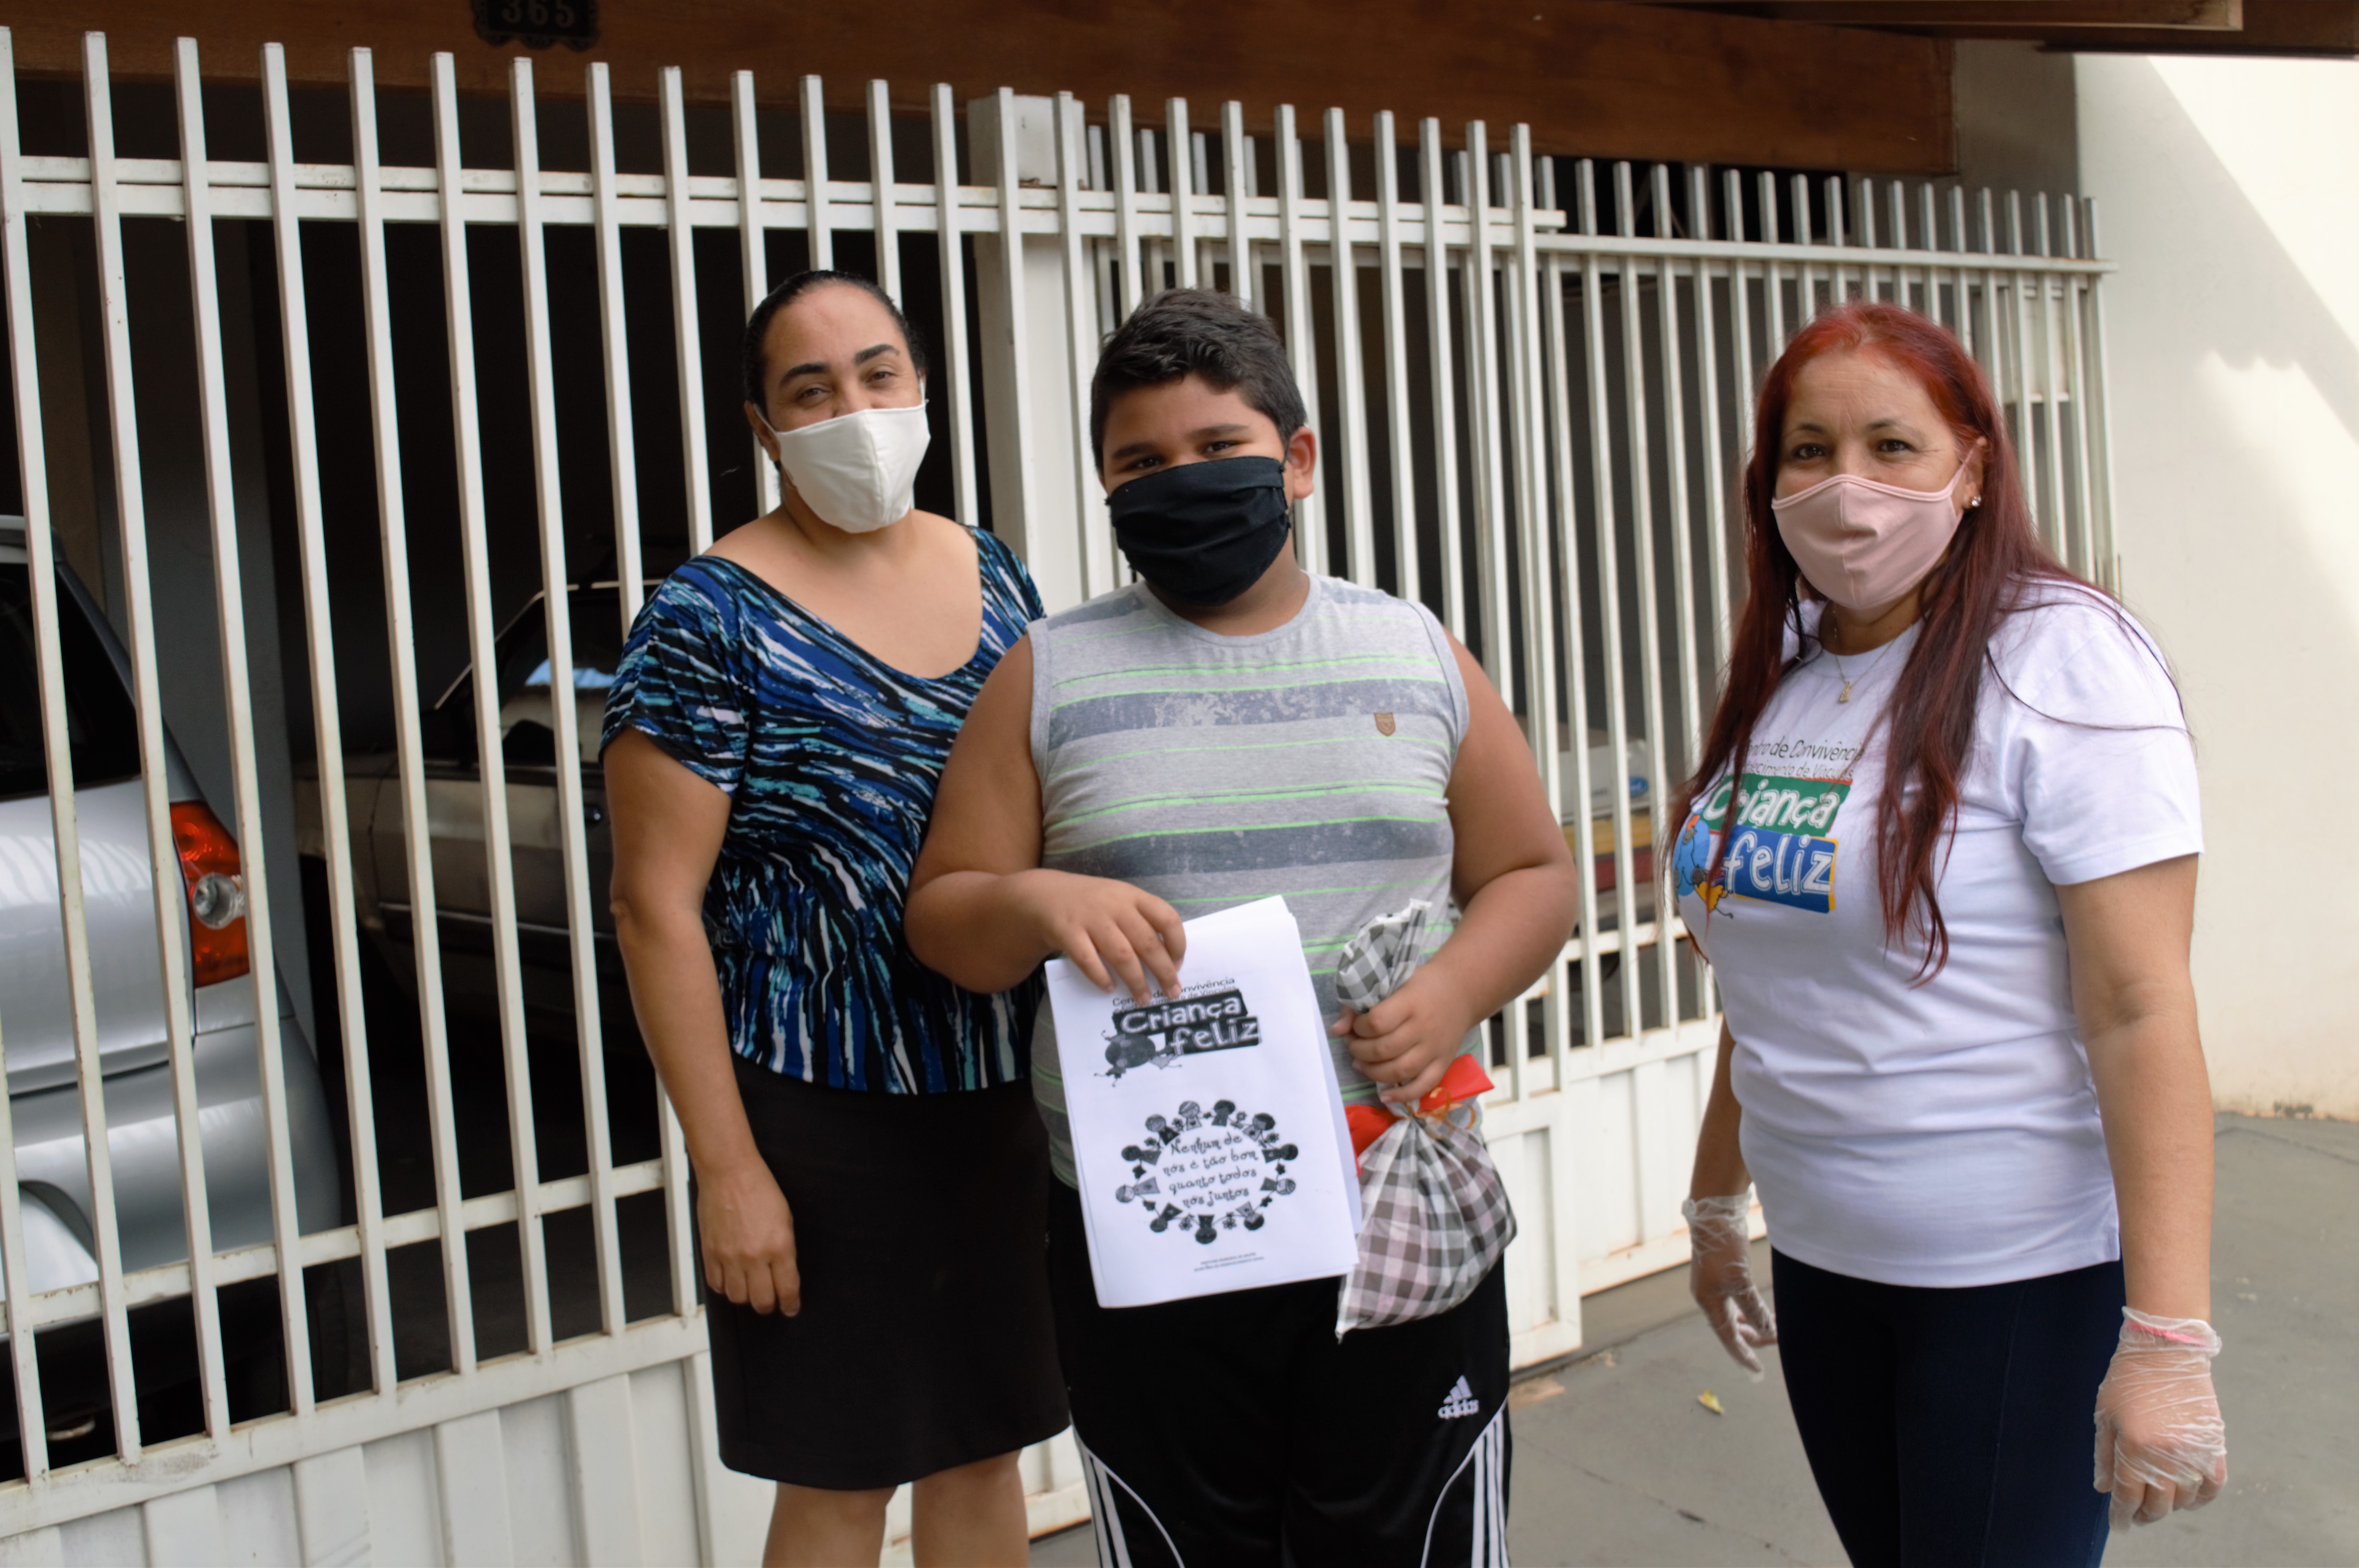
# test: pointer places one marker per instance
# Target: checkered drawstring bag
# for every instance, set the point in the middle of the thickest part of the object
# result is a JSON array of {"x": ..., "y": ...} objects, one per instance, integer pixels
[{"x": 1437, "y": 1216}]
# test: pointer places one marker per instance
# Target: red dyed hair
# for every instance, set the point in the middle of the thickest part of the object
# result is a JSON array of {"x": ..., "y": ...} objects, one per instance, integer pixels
[{"x": 1993, "y": 561}]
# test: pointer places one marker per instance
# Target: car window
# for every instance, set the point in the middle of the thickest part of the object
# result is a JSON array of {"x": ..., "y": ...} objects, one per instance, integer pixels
[
  {"x": 99, "y": 720},
  {"x": 521, "y": 658}
]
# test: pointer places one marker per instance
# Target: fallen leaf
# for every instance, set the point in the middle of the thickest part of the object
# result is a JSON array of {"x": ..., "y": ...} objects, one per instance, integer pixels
[{"x": 1710, "y": 1401}]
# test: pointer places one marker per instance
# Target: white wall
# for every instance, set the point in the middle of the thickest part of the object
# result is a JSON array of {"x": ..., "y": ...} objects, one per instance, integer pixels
[{"x": 2229, "y": 192}]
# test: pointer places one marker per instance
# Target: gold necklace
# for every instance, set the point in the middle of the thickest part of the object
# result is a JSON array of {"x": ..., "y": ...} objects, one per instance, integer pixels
[{"x": 1845, "y": 695}]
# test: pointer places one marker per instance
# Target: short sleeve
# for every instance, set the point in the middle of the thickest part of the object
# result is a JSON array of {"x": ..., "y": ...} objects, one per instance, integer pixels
[
  {"x": 1019, "y": 582},
  {"x": 675, "y": 683},
  {"x": 2098, "y": 745}
]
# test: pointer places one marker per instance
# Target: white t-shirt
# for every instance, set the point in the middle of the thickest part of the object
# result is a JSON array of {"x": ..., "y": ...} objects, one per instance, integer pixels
[{"x": 1945, "y": 1133}]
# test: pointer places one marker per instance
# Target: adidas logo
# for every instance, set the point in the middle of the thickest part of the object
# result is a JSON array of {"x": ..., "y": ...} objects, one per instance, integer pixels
[{"x": 1460, "y": 1400}]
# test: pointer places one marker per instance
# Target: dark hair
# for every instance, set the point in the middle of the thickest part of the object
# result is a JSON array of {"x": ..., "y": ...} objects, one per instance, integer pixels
[
  {"x": 755, "y": 357},
  {"x": 1201, "y": 332},
  {"x": 1994, "y": 564}
]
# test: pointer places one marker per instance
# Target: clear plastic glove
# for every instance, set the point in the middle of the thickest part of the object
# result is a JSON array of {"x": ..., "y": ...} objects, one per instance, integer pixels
[
  {"x": 1720, "y": 1276},
  {"x": 2160, "y": 1442}
]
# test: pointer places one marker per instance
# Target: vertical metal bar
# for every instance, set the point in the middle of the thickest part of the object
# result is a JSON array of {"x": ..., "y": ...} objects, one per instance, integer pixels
[
  {"x": 753, "y": 245},
  {"x": 2026, "y": 454},
  {"x": 1838, "y": 236},
  {"x": 475, "y": 551},
  {"x": 1183, "y": 191},
  {"x": 953, "y": 267},
  {"x": 1805, "y": 304},
  {"x": 221, "y": 503},
  {"x": 377, "y": 306},
  {"x": 131, "y": 518},
  {"x": 1960, "y": 287},
  {"x": 690, "y": 352},
  {"x": 1650, "y": 652},
  {"x": 565, "y": 721},
  {"x": 822, "y": 232},
  {"x": 1774, "y": 303},
  {"x": 1675, "y": 453},
  {"x": 1397, "y": 413},
  {"x": 1995, "y": 363},
  {"x": 1715, "y": 472},
  {"x": 1576, "y": 637},
  {"x": 2077, "y": 367},
  {"x": 295, "y": 338},
  {"x": 1897, "y": 216},
  {"x": 1715, "y": 484},
  {"x": 622, "y": 450},
  {"x": 1200, "y": 170},
  {"x": 2101, "y": 416},
  {"x": 2060, "y": 513},
  {"x": 1604, "y": 521},
  {"x": 1007, "y": 176},
  {"x": 1928, "y": 239},
  {"x": 1863, "y": 191},
  {"x": 1739, "y": 325},
  {"x": 1359, "y": 501},
  {"x": 1301, "y": 343},
  {"x": 1236, "y": 160},
  {"x": 23, "y": 372},
  {"x": 1150, "y": 184},
  {"x": 1490, "y": 480},
  {"x": 1095, "y": 535},
  {"x": 882, "y": 198},
  {"x": 1443, "y": 367},
  {"x": 1528, "y": 399},
  {"x": 1125, "y": 150}
]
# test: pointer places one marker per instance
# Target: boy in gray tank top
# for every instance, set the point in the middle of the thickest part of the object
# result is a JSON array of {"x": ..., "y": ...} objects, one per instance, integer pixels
[{"x": 1228, "y": 729}]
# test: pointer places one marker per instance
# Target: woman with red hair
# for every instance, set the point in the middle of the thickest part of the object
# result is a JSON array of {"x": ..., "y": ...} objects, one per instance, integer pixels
[{"x": 1940, "y": 851}]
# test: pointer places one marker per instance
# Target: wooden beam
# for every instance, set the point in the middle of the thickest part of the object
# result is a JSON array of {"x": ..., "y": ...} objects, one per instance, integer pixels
[
  {"x": 2327, "y": 28},
  {"x": 2297, "y": 28},
  {"x": 1589, "y": 76},
  {"x": 2220, "y": 14}
]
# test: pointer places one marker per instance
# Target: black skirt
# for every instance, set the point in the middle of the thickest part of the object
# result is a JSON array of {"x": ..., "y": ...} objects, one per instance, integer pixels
[{"x": 925, "y": 1340}]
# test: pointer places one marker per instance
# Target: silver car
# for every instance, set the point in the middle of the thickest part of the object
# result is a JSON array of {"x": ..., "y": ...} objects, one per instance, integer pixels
[{"x": 35, "y": 1031}]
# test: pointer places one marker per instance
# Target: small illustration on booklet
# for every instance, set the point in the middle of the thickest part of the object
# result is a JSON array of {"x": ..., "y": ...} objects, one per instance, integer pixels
[
  {"x": 1197, "y": 1175},
  {"x": 1212, "y": 1017}
]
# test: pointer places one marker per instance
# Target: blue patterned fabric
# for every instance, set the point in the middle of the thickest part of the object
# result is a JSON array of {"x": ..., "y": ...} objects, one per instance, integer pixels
[{"x": 831, "y": 759}]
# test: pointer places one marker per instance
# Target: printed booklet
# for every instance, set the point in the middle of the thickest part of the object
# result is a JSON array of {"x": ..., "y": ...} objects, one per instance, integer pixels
[{"x": 1208, "y": 1128}]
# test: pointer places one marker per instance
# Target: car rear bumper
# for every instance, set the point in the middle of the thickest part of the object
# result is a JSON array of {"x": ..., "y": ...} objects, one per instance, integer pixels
[{"x": 143, "y": 1140}]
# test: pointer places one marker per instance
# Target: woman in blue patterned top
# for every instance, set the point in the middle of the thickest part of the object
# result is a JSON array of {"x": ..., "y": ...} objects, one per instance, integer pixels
[{"x": 869, "y": 1172}]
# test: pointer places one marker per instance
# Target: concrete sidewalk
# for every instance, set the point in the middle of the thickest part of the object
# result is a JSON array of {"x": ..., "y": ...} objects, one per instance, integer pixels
[{"x": 1617, "y": 1462}]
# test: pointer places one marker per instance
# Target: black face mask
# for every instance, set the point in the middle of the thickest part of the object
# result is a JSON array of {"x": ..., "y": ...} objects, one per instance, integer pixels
[{"x": 1203, "y": 532}]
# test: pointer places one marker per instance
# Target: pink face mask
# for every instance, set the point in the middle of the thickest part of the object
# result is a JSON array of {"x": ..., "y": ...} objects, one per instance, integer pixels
[{"x": 1862, "y": 545}]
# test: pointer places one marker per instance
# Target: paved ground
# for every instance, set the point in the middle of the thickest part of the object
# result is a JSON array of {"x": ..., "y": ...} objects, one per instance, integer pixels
[{"x": 1617, "y": 1463}]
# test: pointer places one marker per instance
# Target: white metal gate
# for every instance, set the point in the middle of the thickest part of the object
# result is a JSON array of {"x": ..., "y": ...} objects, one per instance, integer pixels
[{"x": 1533, "y": 378}]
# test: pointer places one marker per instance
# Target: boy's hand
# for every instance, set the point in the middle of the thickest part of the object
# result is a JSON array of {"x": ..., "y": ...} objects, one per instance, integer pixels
[
  {"x": 1407, "y": 1041},
  {"x": 1109, "y": 930}
]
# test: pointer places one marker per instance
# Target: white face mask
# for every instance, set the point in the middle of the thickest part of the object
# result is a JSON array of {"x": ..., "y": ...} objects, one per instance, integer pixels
[{"x": 857, "y": 471}]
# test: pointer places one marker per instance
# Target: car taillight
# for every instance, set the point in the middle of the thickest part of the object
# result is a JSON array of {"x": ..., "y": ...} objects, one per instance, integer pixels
[{"x": 210, "y": 874}]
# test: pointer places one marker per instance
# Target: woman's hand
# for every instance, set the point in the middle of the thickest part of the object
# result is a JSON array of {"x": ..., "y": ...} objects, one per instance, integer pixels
[
  {"x": 1107, "y": 929},
  {"x": 749, "y": 1239},
  {"x": 1407, "y": 1041},
  {"x": 1720, "y": 1276},
  {"x": 2160, "y": 1442}
]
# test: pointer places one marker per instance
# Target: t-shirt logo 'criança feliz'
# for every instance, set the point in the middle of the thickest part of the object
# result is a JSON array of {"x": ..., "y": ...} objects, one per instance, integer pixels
[{"x": 1784, "y": 847}]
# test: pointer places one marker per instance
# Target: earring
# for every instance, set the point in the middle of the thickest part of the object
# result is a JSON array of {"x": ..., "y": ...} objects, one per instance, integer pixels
[{"x": 1973, "y": 503}]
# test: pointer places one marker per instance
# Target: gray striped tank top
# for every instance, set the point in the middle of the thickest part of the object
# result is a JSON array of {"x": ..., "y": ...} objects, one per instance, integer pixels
[{"x": 1312, "y": 762}]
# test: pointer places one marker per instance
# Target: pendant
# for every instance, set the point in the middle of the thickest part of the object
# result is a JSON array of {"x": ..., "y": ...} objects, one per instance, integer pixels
[{"x": 1846, "y": 693}]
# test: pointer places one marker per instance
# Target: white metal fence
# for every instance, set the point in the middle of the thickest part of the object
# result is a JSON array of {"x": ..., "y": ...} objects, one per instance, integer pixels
[{"x": 1533, "y": 378}]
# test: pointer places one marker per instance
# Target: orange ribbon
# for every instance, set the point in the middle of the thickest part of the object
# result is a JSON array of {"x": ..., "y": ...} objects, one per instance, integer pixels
[{"x": 1465, "y": 1080}]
